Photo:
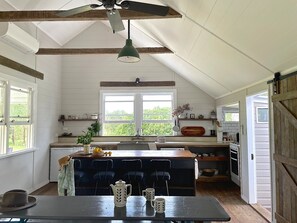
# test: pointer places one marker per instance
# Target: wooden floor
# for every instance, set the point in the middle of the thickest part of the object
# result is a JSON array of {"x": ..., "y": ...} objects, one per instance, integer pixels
[{"x": 228, "y": 195}]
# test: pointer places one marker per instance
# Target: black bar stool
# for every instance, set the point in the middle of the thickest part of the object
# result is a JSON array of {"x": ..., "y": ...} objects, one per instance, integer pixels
[
  {"x": 133, "y": 173},
  {"x": 78, "y": 173},
  {"x": 160, "y": 172},
  {"x": 104, "y": 175}
]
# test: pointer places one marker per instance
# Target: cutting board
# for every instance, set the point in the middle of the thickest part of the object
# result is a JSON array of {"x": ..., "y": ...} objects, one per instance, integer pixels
[{"x": 192, "y": 131}]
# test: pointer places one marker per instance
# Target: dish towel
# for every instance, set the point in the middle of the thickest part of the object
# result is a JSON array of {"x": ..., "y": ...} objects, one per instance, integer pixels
[{"x": 66, "y": 180}]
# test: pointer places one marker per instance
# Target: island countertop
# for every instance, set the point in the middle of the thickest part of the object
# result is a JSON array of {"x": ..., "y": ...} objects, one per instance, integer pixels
[
  {"x": 172, "y": 154},
  {"x": 158, "y": 144}
]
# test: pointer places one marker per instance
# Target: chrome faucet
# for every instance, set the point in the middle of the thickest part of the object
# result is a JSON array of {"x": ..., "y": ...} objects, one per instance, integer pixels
[{"x": 138, "y": 135}]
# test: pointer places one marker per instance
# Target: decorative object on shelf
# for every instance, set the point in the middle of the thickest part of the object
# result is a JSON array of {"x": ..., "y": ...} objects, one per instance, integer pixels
[
  {"x": 180, "y": 110},
  {"x": 192, "y": 131},
  {"x": 213, "y": 114},
  {"x": 201, "y": 116},
  {"x": 212, "y": 132},
  {"x": 192, "y": 116},
  {"x": 94, "y": 116}
]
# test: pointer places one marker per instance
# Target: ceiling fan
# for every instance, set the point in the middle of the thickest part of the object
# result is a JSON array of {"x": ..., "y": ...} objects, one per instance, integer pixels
[{"x": 113, "y": 14}]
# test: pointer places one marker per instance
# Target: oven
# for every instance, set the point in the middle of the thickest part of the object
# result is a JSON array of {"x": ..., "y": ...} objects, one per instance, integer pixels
[{"x": 234, "y": 163}]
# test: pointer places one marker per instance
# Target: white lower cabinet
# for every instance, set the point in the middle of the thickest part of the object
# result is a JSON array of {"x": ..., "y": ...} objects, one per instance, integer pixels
[{"x": 55, "y": 155}]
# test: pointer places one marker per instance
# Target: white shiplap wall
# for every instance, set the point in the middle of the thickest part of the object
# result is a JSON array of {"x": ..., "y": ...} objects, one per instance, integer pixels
[
  {"x": 30, "y": 170},
  {"x": 82, "y": 75}
]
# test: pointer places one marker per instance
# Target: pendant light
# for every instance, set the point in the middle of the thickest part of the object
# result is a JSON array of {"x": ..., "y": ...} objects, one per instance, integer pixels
[{"x": 128, "y": 53}]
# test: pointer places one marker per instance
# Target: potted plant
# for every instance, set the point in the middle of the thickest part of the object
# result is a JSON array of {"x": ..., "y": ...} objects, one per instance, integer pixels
[{"x": 86, "y": 139}]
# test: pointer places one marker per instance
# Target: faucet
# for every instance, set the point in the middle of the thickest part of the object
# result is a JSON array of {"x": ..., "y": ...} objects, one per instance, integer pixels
[{"x": 138, "y": 136}]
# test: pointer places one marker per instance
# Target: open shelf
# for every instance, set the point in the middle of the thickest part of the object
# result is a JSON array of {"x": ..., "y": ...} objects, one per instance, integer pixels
[
  {"x": 81, "y": 119},
  {"x": 213, "y": 158},
  {"x": 217, "y": 178},
  {"x": 197, "y": 119}
]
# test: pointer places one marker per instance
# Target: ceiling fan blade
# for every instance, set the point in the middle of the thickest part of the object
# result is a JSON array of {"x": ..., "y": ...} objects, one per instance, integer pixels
[
  {"x": 115, "y": 20},
  {"x": 145, "y": 7},
  {"x": 77, "y": 10}
]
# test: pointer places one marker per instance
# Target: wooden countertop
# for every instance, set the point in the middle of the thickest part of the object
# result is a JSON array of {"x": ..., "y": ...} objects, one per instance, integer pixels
[
  {"x": 159, "y": 145},
  {"x": 172, "y": 154}
]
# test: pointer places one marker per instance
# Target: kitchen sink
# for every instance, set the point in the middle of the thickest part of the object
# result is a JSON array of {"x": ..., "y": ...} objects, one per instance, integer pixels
[{"x": 136, "y": 145}]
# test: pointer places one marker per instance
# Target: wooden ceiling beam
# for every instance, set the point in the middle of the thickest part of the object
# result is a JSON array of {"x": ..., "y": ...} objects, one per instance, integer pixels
[
  {"x": 137, "y": 84},
  {"x": 76, "y": 51},
  {"x": 20, "y": 67},
  {"x": 51, "y": 15}
]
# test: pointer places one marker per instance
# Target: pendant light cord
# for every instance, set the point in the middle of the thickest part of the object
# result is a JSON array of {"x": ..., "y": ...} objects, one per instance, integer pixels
[{"x": 128, "y": 28}]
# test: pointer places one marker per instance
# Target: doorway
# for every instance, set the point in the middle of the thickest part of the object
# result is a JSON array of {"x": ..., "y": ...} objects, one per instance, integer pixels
[{"x": 259, "y": 148}]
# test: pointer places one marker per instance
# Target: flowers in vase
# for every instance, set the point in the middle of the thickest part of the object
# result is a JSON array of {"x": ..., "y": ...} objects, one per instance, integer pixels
[{"x": 180, "y": 109}]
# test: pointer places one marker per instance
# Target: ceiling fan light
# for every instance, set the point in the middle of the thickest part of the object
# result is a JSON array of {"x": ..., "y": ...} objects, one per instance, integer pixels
[{"x": 128, "y": 53}]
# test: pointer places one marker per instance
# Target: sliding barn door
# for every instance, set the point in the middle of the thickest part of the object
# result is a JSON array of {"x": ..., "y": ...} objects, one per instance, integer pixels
[{"x": 285, "y": 139}]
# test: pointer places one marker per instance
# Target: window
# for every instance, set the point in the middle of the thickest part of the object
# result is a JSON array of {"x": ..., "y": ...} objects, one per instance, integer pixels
[
  {"x": 231, "y": 117},
  {"x": 262, "y": 115},
  {"x": 16, "y": 125},
  {"x": 143, "y": 112}
]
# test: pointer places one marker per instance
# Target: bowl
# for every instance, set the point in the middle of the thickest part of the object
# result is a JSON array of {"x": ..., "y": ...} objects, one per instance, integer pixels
[
  {"x": 96, "y": 154},
  {"x": 208, "y": 172}
]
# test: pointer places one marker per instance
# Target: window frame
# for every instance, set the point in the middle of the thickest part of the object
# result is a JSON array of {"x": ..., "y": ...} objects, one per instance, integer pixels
[
  {"x": 138, "y": 93},
  {"x": 257, "y": 116},
  {"x": 12, "y": 82}
]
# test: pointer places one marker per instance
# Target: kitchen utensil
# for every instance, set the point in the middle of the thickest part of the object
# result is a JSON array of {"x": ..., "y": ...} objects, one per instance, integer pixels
[
  {"x": 175, "y": 127},
  {"x": 159, "y": 205},
  {"x": 149, "y": 194},
  {"x": 120, "y": 193}
]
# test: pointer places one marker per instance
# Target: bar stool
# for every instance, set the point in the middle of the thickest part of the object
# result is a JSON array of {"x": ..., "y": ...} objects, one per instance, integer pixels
[
  {"x": 104, "y": 175},
  {"x": 160, "y": 172},
  {"x": 78, "y": 173},
  {"x": 133, "y": 173}
]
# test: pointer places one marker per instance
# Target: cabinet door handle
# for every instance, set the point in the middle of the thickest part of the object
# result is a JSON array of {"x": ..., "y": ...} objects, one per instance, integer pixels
[{"x": 252, "y": 156}]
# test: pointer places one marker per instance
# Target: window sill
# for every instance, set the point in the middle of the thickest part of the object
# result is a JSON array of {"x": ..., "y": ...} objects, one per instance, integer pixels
[{"x": 7, "y": 155}]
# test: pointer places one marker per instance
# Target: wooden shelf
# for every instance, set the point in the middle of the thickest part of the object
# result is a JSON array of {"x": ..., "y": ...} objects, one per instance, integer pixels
[
  {"x": 218, "y": 178},
  {"x": 197, "y": 119},
  {"x": 213, "y": 158},
  {"x": 75, "y": 120}
]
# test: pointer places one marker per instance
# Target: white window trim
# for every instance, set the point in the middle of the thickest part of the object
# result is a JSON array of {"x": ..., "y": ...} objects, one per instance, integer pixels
[
  {"x": 133, "y": 92},
  {"x": 16, "y": 82},
  {"x": 257, "y": 110}
]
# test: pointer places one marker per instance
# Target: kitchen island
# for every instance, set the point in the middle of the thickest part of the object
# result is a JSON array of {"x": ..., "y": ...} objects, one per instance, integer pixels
[{"x": 182, "y": 170}]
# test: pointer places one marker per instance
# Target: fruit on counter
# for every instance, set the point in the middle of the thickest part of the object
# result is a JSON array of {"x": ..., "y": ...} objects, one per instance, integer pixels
[{"x": 97, "y": 150}]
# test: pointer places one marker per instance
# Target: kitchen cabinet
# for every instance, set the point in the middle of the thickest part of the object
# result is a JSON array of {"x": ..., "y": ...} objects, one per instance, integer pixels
[{"x": 213, "y": 157}]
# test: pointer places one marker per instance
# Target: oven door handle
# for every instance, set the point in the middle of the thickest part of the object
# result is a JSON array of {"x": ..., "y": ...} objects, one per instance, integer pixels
[
  {"x": 234, "y": 159},
  {"x": 233, "y": 151}
]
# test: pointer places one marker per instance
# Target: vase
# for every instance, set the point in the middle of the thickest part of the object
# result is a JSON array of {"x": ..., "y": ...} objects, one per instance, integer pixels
[
  {"x": 182, "y": 116},
  {"x": 87, "y": 149}
]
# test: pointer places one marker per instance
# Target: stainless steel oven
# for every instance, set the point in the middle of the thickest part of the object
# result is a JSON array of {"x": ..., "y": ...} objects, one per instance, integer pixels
[{"x": 234, "y": 163}]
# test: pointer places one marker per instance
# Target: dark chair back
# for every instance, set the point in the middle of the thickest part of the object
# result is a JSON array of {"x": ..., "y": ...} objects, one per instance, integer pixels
[
  {"x": 161, "y": 164},
  {"x": 132, "y": 164},
  {"x": 102, "y": 164}
]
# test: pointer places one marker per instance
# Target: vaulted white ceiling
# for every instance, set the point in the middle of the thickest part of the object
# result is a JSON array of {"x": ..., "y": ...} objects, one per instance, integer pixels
[{"x": 221, "y": 46}]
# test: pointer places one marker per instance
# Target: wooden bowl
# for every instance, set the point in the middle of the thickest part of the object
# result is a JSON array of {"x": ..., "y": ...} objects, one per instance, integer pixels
[
  {"x": 208, "y": 172},
  {"x": 98, "y": 154},
  {"x": 192, "y": 131}
]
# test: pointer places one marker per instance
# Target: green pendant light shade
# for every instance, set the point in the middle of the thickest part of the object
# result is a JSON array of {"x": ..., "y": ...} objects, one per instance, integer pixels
[{"x": 128, "y": 53}]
